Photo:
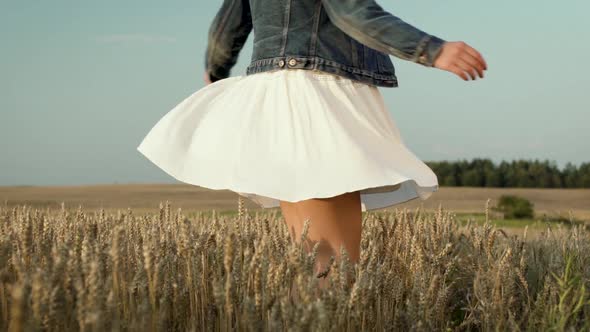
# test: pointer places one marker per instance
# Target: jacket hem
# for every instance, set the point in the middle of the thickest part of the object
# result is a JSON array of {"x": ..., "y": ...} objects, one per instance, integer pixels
[{"x": 319, "y": 63}]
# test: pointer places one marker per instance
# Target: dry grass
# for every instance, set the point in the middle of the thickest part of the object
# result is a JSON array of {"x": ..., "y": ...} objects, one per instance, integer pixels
[
  {"x": 64, "y": 269},
  {"x": 144, "y": 198}
]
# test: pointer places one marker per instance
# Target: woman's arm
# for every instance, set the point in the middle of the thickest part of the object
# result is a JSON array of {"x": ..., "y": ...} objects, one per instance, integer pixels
[
  {"x": 367, "y": 22},
  {"x": 226, "y": 37}
]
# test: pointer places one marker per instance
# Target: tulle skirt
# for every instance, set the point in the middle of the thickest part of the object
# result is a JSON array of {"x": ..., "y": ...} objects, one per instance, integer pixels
[{"x": 289, "y": 134}]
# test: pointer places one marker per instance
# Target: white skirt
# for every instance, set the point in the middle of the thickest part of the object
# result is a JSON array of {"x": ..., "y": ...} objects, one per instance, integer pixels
[{"x": 291, "y": 135}]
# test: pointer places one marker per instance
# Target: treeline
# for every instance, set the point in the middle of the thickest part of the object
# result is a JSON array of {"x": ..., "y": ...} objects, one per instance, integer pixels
[{"x": 517, "y": 173}]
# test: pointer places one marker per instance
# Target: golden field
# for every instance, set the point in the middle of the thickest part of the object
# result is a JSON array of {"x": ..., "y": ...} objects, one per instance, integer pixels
[
  {"x": 65, "y": 270},
  {"x": 157, "y": 269}
]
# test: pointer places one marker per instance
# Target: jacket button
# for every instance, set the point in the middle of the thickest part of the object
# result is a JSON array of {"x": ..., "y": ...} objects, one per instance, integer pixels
[
  {"x": 281, "y": 63},
  {"x": 292, "y": 62}
]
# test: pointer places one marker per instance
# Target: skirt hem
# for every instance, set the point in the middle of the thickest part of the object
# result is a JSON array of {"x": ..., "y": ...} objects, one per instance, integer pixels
[{"x": 266, "y": 199}]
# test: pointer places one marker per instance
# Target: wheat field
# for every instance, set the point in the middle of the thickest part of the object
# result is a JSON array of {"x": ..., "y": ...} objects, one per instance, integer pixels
[{"x": 68, "y": 269}]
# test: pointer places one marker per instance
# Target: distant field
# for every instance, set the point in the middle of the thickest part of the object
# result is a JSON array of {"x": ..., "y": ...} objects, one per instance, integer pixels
[{"x": 146, "y": 198}]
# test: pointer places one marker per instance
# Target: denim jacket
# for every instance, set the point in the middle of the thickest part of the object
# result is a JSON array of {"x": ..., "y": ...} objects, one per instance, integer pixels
[{"x": 350, "y": 38}]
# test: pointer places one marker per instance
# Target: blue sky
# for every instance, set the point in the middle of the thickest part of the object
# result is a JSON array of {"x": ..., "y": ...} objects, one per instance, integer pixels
[{"x": 81, "y": 83}]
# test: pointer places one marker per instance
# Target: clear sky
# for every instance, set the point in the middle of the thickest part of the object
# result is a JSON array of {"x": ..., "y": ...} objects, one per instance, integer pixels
[{"x": 82, "y": 82}]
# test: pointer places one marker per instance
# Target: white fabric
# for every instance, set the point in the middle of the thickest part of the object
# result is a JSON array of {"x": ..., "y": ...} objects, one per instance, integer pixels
[{"x": 289, "y": 134}]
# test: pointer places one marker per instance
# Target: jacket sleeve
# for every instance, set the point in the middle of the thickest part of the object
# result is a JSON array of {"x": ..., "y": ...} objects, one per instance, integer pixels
[
  {"x": 368, "y": 23},
  {"x": 226, "y": 37}
]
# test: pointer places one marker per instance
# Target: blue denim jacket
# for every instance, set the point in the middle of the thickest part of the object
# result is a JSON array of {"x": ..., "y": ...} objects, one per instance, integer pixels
[{"x": 351, "y": 38}]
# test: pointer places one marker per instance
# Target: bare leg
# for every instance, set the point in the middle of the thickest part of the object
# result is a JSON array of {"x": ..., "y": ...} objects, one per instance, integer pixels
[
  {"x": 335, "y": 221},
  {"x": 289, "y": 211}
]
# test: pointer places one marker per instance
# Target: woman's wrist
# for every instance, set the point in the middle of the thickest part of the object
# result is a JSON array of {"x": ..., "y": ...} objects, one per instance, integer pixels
[{"x": 431, "y": 51}]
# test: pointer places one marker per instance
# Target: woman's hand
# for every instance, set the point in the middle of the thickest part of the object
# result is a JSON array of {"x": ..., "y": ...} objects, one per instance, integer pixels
[
  {"x": 206, "y": 78},
  {"x": 461, "y": 59}
]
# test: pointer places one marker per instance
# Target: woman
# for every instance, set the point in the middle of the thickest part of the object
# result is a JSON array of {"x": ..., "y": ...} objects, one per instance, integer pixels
[{"x": 306, "y": 127}]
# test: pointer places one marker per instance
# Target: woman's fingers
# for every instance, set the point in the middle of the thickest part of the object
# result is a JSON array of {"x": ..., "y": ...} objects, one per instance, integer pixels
[
  {"x": 470, "y": 65},
  {"x": 459, "y": 72},
  {"x": 474, "y": 60},
  {"x": 467, "y": 59},
  {"x": 477, "y": 56},
  {"x": 461, "y": 59},
  {"x": 466, "y": 67}
]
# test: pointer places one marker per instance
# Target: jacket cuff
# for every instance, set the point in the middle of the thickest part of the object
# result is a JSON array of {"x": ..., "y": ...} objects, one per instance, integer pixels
[
  {"x": 428, "y": 49},
  {"x": 217, "y": 73},
  {"x": 213, "y": 77}
]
